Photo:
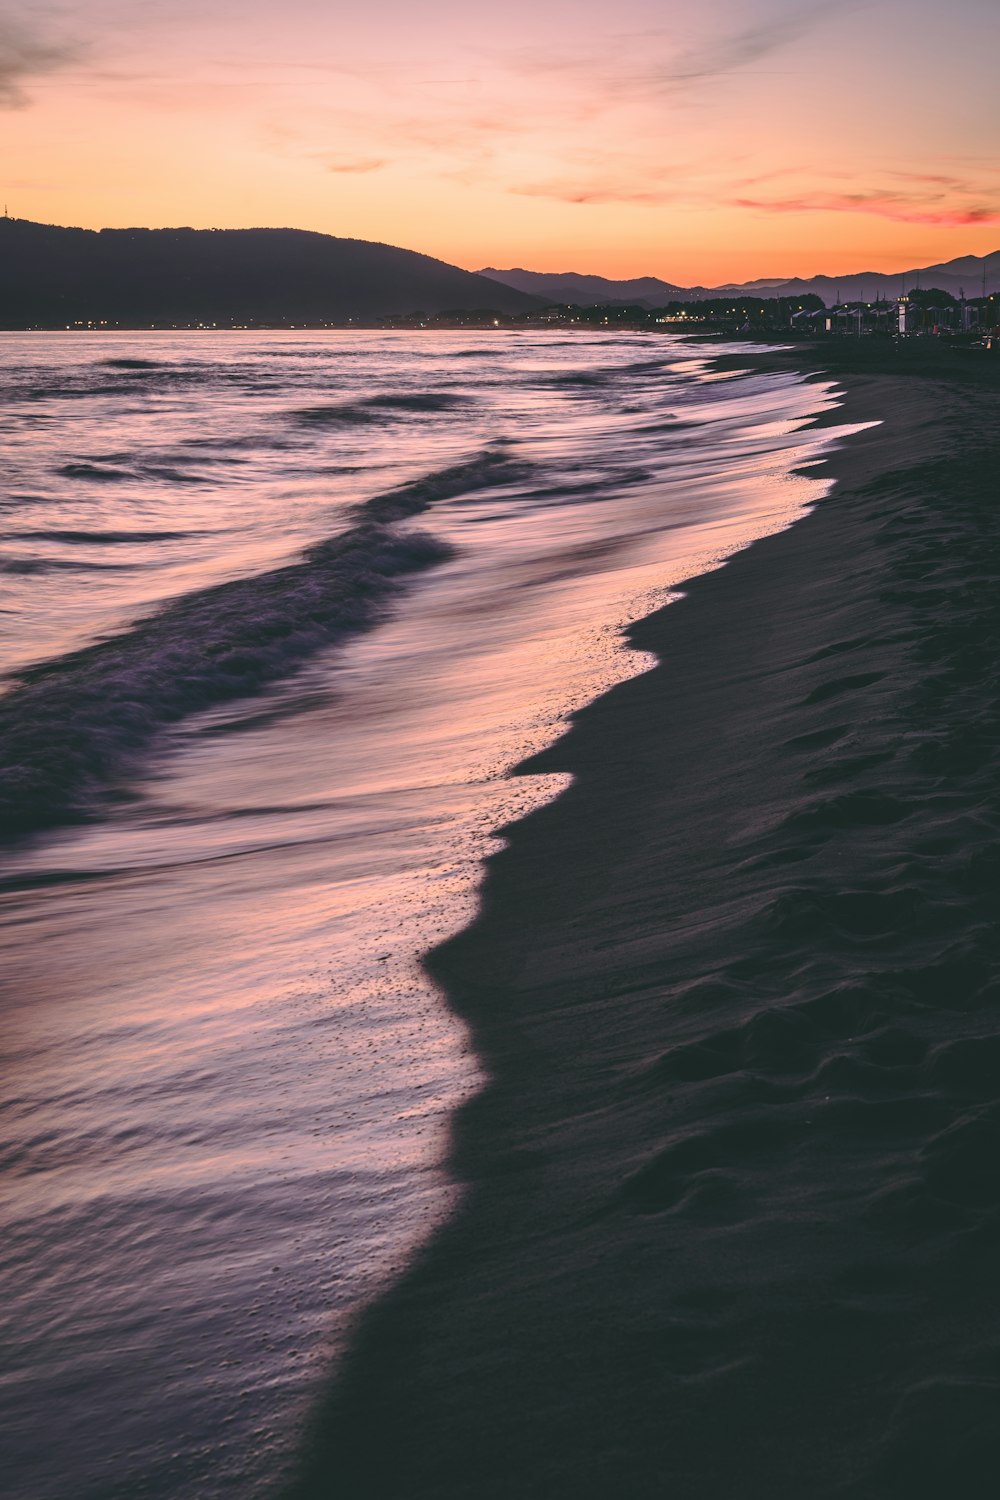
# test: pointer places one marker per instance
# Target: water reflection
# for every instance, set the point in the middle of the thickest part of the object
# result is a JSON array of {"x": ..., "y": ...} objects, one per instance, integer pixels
[{"x": 228, "y": 1080}]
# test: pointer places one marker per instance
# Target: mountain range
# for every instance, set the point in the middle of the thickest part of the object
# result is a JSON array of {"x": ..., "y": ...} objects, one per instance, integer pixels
[
  {"x": 954, "y": 276},
  {"x": 51, "y": 277}
]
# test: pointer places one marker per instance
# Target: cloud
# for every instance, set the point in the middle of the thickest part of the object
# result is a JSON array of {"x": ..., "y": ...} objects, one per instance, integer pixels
[
  {"x": 646, "y": 65},
  {"x": 932, "y": 198},
  {"x": 596, "y": 192},
  {"x": 356, "y": 164},
  {"x": 938, "y": 179},
  {"x": 610, "y": 176},
  {"x": 727, "y": 54},
  {"x": 26, "y": 54},
  {"x": 886, "y": 205}
]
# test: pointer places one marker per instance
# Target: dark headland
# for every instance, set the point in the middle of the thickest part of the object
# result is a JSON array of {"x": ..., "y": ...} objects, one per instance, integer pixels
[
  {"x": 732, "y": 1217},
  {"x": 54, "y": 277}
]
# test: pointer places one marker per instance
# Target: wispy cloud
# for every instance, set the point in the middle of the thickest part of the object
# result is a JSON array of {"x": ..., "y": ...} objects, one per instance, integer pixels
[
  {"x": 569, "y": 191},
  {"x": 648, "y": 65},
  {"x": 25, "y": 54},
  {"x": 352, "y": 165},
  {"x": 932, "y": 198},
  {"x": 752, "y": 44},
  {"x": 901, "y": 208}
]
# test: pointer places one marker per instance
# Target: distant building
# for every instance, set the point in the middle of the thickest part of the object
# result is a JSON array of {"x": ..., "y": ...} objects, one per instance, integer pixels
[
  {"x": 811, "y": 319},
  {"x": 932, "y": 313}
]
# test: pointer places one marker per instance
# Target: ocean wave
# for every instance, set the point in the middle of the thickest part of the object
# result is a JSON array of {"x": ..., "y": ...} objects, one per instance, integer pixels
[
  {"x": 103, "y": 538},
  {"x": 27, "y": 566},
  {"x": 115, "y": 380},
  {"x": 130, "y": 364},
  {"x": 419, "y": 401},
  {"x": 69, "y": 392},
  {"x": 72, "y": 727},
  {"x": 643, "y": 367},
  {"x": 171, "y": 474},
  {"x": 602, "y": 375},
  {"x": 105, "y": 473},
  {"x": 606, "y": 484},
  {"x": 344, "y": 415},
  {"x": 579, "y": 377},
  {"x": 376, "y": 408}
]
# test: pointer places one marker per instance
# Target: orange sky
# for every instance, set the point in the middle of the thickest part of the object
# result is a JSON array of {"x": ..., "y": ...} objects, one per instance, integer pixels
[{"x": 700, "y": 142}]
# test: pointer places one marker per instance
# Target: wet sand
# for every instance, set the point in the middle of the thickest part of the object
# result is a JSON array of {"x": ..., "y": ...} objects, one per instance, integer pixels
[{"x": 732, "y": 1216}]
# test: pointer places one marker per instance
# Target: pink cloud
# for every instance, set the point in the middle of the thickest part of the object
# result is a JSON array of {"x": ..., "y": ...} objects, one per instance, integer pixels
[
  {"x": 568, "y": 192},
  {"x": 885, "y": 205},
  {"x": 358, "y": 164}
]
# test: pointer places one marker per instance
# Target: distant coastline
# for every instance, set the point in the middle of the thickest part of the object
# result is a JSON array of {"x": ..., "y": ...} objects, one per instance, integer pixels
[{"x": 54, "y": 278}]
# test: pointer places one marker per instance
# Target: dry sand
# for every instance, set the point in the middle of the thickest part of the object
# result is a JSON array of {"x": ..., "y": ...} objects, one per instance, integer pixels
[{"x": 732, "y": 1226}]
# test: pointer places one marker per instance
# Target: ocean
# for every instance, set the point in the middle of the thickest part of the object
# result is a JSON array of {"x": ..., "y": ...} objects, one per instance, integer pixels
[{"x": 281, "y": 613}]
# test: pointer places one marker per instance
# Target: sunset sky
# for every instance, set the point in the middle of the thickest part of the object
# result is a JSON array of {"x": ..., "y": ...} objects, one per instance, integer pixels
[{"x": 698, "y": 140}]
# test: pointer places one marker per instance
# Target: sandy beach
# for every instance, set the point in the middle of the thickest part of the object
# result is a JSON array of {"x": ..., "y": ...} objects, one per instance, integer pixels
[{"x": 732, "y": 1203}]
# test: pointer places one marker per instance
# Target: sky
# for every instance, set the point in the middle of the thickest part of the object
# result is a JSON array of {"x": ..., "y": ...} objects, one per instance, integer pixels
[{"x": 701, "y": 141}]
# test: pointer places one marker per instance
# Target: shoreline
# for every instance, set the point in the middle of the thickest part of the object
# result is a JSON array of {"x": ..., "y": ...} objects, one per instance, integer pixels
[{"x": 730, "y": 1207}]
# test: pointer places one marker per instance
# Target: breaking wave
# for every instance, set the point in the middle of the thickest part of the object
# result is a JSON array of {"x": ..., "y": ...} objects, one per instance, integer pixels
[{"x": 72, "y": 727}]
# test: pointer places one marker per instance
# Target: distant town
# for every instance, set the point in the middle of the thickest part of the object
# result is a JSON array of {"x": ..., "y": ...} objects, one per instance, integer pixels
[
  {"x": 932, "y": 313},
  {"x": 928, "y": 313}
]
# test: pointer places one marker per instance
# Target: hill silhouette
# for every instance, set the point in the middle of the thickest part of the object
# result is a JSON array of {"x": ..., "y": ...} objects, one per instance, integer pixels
[
  {"x": 52, "y": 276},
  {"x": 588, "y": 291},
  {"x": 964, "y": 274}
]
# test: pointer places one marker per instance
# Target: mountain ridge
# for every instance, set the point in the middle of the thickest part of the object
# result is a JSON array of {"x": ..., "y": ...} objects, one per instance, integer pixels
[
  {"x": 961, "y": 273},
  {"x": 53, "y": 276}
]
